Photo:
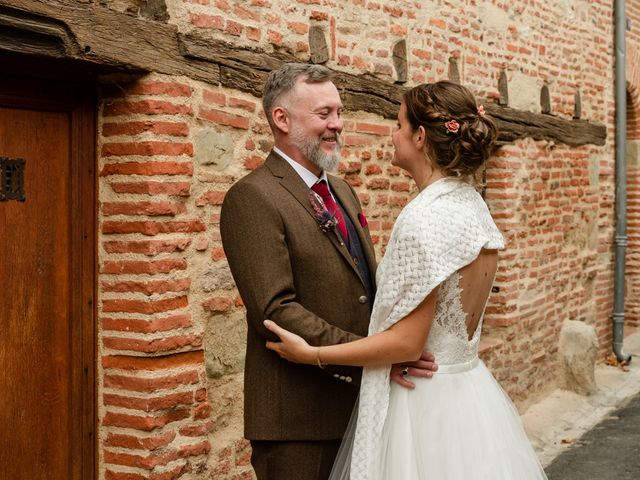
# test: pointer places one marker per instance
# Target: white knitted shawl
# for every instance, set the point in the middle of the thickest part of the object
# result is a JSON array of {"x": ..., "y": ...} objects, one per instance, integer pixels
[{"x": 437, "y": 233}]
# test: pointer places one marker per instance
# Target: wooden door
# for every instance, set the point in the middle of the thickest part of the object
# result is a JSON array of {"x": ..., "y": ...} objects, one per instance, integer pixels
[{"x": 47, "y": 258}]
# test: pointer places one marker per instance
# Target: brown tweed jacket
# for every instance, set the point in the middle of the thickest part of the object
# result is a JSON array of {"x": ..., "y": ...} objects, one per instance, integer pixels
[{"x": 290, "y": 271}]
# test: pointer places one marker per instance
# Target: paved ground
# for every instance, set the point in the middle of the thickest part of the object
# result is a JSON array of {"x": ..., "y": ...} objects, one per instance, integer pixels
[
  {"x": 611, "y": 450},
  {"x": 613, "y": 444}
]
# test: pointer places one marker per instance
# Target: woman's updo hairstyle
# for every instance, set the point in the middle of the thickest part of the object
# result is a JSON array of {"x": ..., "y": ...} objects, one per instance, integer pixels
[{"x": 459, "y": 137}]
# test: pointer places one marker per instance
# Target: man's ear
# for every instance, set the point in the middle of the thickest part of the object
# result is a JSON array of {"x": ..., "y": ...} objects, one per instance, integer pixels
[{"x": 281, "y": 119}]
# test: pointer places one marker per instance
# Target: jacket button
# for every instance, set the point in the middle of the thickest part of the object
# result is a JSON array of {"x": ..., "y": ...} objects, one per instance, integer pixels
[{"x": 363, "y": 299}]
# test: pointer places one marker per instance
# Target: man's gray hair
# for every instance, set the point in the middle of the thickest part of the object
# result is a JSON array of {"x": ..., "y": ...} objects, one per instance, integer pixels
[{"x": 283, "y": 80}]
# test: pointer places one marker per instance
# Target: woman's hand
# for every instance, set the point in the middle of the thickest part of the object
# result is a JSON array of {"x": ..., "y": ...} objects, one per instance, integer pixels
[{"x": 291, "y": 347}]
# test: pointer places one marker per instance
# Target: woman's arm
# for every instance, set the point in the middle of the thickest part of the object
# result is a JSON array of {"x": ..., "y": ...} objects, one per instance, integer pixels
[{"x": 403, "y": 342}]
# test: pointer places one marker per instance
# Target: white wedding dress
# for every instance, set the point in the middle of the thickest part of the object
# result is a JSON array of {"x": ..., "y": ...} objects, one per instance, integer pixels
[{"x": 459, "y": 425}]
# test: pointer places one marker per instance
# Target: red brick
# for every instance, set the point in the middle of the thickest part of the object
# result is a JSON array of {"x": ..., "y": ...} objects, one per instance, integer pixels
[
  {"x": 217, "y": 254},
  {"x": 144, "y": 306},
  {"x": 393, "y": 11},
  {"x": 153, "y": 325},
  {"x": 137, "y": 384},
  {"x": 253, "y": 162},
  {"x": 176, "y": 129},
  {"x": 243, "y": 104},
  {"x": 207, "y": 21},
  {"x": 199, "y": 430},
  {"x": 160, "y": 345},
  {"x": 180, "y": 189},
  {"x": 398, "y": 30},
  {"x": 315, "y": 15},
  {"x": 438, "y": 22},
  {"x": 400, "y": 186},
  {"x": 202, "y": 411},
  {"x": 195, "y": 449},
  {"x": 421, "y": 54},
  {"x": 143, "y": 208},
  {"x": 154, "y": 87},
  {"x": 132, "y": 442},
  {"x": 144, "y": 423},
  {"x": 147, "y": 149},
  {"x": 275, "y": 37},
  {"x": 200, "y": 395},
  {"x": 153, "y": 404},
  {"x": 147, "y": 168},
  {"x": 378, "y": 184},
  {"x": 217, "y": 304},
  {"x": 382, "y": 130},
  {"x": 253, "y": 34},
  {"x": 147, "y": 247},
  {"x": 357, "y": 140},
  {"x": 245, "y": 14},
  {"x": 210, "y": 177},
  {"x": 127, "y": 362},
  {"x": 148, "y": 287},
  {"x": 215, "y": 98},
  {"x": 210, "y": 198},
  {"x": 172, "y": 474},
  {"x": 148, "y": 107},
  {"x": 152, "y": 228},
  {"x": 298, "y": 28},
  {"x": 123, "y": 267},
  {"x": 373, "y": 169},
  {"x": 223, "y": 118}
]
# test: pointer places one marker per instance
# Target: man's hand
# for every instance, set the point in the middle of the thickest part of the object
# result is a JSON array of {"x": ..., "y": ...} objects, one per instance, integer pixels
[{"x": 425, "y": 368}]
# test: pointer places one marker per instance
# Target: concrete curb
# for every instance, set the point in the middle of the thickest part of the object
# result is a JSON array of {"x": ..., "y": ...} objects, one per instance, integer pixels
[{"x": 567, "y": 415}]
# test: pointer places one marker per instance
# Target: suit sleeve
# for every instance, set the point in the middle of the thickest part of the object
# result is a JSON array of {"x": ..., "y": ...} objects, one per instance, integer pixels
[{"x": 253, "y": 236}]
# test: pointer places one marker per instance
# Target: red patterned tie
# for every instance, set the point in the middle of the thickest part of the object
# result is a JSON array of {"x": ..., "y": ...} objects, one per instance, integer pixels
[{"x": 322, "y": 189}]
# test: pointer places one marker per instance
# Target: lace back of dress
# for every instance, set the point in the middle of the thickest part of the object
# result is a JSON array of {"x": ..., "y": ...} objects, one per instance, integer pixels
[{"x": 462, "y": 298}]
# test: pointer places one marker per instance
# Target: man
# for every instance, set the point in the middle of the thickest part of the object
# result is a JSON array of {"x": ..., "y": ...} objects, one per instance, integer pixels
[{"x": 308, "y": 265}]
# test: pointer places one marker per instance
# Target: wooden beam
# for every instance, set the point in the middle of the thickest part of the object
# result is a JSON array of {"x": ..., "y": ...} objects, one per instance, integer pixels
[
  {"x": 97, "y": 36},
  {"x": 101, "y": 37}
]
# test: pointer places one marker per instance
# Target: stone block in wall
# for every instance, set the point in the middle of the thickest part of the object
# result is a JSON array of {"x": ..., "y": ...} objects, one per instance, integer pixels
[
  {"x": 594, "y": 170},
  {"x": 226, "y": 345},
  {"x": 524, "y": 92},
  {"x": 213, "y": 149},
  {"x": 578, "y": 349},
  {"x": 633, "y": 153}
]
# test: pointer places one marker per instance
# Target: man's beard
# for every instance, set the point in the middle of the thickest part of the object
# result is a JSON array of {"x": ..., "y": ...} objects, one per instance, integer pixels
[{"x": 310, "y": 148}]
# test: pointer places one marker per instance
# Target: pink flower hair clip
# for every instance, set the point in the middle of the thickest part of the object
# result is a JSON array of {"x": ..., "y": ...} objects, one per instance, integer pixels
[
  {"x": 452, "y": 126},
  {"x": 481, "y": 111}
]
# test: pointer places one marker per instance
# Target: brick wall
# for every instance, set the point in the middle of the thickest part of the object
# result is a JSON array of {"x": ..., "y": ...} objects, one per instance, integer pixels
[
  {"x": 632, "y": 291},
  {"x": 171, "y": 322}
]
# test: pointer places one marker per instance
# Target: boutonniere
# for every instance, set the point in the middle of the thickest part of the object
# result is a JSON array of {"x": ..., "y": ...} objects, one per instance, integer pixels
[{"x": 325, "y": 219}]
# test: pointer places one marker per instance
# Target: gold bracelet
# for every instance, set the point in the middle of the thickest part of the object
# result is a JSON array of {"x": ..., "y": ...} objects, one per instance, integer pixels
[{"x": 320, "y": 364}]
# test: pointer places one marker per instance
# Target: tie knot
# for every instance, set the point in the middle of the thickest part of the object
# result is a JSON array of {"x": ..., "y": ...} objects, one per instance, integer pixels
[{"x": 322, "y": 189}]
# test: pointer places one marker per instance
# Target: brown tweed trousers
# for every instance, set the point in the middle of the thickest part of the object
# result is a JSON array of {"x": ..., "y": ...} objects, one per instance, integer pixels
[{"x": 290, "y": 271}]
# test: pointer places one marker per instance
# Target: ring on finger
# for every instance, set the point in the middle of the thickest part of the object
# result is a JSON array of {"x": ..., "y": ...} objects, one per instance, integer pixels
[{"x": 405, "y": 371}]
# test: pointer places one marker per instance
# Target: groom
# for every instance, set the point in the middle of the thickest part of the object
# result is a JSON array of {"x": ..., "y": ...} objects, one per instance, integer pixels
[{"x": 310, "y": 272}]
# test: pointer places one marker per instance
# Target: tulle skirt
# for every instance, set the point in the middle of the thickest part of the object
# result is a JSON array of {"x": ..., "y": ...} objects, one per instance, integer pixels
[{"x": 459, "y": 425}]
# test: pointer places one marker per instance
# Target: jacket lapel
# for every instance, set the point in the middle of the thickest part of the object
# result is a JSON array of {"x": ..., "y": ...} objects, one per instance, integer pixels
[
  {"x": 345, "y": 196},
  {"x": 292, "y": 182}
]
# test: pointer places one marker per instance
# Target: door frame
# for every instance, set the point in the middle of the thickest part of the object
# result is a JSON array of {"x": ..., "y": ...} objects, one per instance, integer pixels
[{"x": 43, "y": 92}]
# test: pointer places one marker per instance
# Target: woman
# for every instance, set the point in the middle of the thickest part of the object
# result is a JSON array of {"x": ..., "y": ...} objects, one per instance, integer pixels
[{"x": 433, "y": 285}]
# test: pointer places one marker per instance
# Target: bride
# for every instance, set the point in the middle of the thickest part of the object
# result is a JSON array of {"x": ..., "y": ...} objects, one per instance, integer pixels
[{"x": 433, "y": 285}]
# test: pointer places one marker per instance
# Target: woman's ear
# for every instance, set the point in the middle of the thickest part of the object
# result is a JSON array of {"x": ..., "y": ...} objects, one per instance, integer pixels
[
  {"x": 281, "y": 119},
  {"x": 420, "y": 137}
]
